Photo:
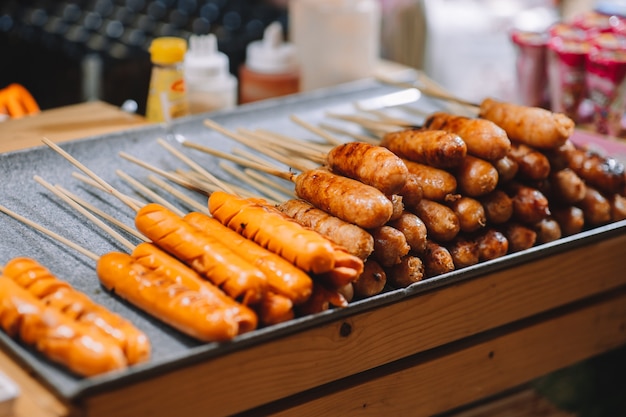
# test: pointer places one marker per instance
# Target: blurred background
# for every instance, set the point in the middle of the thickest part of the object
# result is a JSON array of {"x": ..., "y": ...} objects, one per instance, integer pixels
[{"x": 65, "y": 52}]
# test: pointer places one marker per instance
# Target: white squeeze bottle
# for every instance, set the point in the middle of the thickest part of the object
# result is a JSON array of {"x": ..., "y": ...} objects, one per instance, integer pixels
[
  {"x": 337, "y": 41},
  {"x": 210, "y": 85}
]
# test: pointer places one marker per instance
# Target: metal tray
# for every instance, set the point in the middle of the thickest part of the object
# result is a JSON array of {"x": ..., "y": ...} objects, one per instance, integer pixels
[{"x": 20, "y": 193}]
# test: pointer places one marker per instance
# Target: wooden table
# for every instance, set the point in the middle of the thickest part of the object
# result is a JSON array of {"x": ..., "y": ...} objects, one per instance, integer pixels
[{"x": 424, "y": 355}]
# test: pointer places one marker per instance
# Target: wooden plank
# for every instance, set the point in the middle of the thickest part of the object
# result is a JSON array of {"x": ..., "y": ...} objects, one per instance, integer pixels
[
  {"x": 317, "y": 356},
  {"x": 65, "y": 123},
  {"x": 434, "y": 383}
]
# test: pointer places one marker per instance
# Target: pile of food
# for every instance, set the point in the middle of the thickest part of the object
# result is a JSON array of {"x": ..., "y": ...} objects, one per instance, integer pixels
[{"x": 365, "y": 218}]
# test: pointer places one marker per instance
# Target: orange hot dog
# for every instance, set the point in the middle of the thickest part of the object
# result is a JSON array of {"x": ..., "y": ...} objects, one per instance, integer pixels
[
  {"x": 60, "y": 295},
  {"x": 161, "y": 262},
  {"x": 176, "y": 305},
  {"x": 76, "y": 346},
  {"x": 283, "y": 277},
  {"x": 275, "y": 308},
  {"x": 280, "y": 234},
  {"x": 205, "y": 254}
]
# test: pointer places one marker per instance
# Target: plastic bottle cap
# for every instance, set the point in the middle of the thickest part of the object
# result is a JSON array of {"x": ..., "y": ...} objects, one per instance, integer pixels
[
  {"x": 204, "y": 61},
  {"x": 167, "y": 50},
  {"x": 271, "y": 54}
]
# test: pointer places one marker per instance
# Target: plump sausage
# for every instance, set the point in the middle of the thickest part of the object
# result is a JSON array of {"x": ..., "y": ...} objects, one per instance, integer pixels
[
  {"x": 566, "y": 187},
  {"x": 471, "y": 213},
  {"x": 348, "y": 199},
  {"x": 476, "y": 177},
  {"x": 55, "y": 293},
  {"x": 484, "y": 139},
  {"x": 595, "y": 206},
  {"x": 412, "y": 192},
  {"x": 531, "y": 164},
  {"x": 464, "y": 252},
  {"x": 548, "y": 230},
  {"x": 398, "y": 207},
  {"x": 492, "y": 244},
  {"x": 371, "y": 281},
  {"x": 355, "y": 239},
  {"x": 618, "y": 207},
  {"x": 437, "y": 260},
  {"x": 76, "y": 346},
  {"x": 519, "y": 236},
  {"x": 436, "y": 148},
  {"x": 507, "y": 169},
  {"x": 571, "y": 219},
  {"x": 530, "y": 206},
  {"x": 441, "y": 222},
  {"x": 532, "y": 126},
  {"x": 436, "y": 183},
  {"x": 498, "y": 206},
  {"x": 373, "y": 165},
  {"x": 390, "y": 245},
  {"x": 413, "y": 228},
  {"x": 409, "y": 270}
]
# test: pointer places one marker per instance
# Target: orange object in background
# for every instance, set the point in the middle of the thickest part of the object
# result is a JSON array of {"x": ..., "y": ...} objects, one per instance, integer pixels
[{"x": 16, "y": 101}]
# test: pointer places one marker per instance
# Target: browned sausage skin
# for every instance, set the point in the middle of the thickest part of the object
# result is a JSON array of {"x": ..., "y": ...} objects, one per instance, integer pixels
[
  {"x": 433, "y": 147},
  {"x": 484, "y": 138},
  {"x": 532, "y": 126},
  {"x": 373, "y": 165}
]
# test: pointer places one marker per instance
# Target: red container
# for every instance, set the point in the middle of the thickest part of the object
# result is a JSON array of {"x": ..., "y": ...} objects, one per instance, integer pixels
[{"x": 531, "y": 68}]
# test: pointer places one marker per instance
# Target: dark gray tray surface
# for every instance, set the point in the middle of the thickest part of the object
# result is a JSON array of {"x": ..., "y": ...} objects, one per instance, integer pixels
[{"x": 19, "y": 192}]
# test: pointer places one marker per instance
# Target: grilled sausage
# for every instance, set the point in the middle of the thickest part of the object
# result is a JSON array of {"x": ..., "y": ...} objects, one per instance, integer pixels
[
  {"x": 533, "y": 126},
  {"x": 531, "y": 164},
  {"x": 441, "y": 222},
  {"x": 476, "y": 177},
  {"x": 464, "y": 252},
  {"x": 519, "y": 236},
  {"x": 413, "y": 228},
  {"x": 492, "y": 244},
  {"x": 507, "y": 169},
  {"x": 530, "y": 206},
  {"x": 548, "y": 230},
  {"x": 470, "y": 212},
  {"x": 436, "y": 183},
  {"x": 437, "y": 260},
  {"x": 373, "y": 165},
  {"x": 409, "y": 270},
  {"x": 571, "y": 219},
  {"x": 390, "y": 245},
  {"x": 595, "y": 206},
  {"x": 433, "y": 147},
  {"x": 498, "y": 206},
  {"x": 484, "y": 139},
  {"x": 371, "y": 281}
]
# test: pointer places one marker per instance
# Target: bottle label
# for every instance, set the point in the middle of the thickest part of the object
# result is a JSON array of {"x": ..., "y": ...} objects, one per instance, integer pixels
[{"x": 167, "y": 97}]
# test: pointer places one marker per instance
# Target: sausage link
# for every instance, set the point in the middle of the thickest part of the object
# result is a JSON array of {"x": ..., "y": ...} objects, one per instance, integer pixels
[
  {"x": 531, "y": 164},
  {"x": 436, "y": 148},
  {"x": 566, "y": 187},
  {"x": 571, "y": 219},
  {"x": 476, "y": 177},
  {"x": 507, "y": 169},
  {"x": 58, "y": 294},
  {"x": 390, "y": 245},
  {"x": 275, "y": 308},
  {"x": 348, "y": 199},
  {"x": 596, "y": 207},
  {"x": 188, "y": 311},
  {"x": 373, "y": 165},
  {"x": 470, "y": 212},
  {"x": 436, "y": 183},
  {"x": 76, "y": 346},
  {"x": 498, "y": 206},
  {"x": 398, "y": 207},
  {"x": 519, "y": 236},
  {"x": 409, "y": 271},
  {"x": 530, "y": 205},
  {"x": 371, "y": 281},
  {"x": 355, "y": 239},
  {"x": 413, "y": 228},
  {"x": 205, "y": 254},
  {"x": 492, "y": 244},
  {"x": 618, "y": 207},
  {"x": 464, "y": 252},
  {"x": 548, "y": 230},
  {"x": 437, "y": 260},
  {"x": 441, "y": 222},
  {"x": 412, "y": 192},
  {"x": 532, "y": 126},
  {"x": 484, "y": 139}
]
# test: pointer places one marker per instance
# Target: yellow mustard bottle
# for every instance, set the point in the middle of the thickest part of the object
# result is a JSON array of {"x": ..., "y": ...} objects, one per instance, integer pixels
[{"x": 167, "y": 95}]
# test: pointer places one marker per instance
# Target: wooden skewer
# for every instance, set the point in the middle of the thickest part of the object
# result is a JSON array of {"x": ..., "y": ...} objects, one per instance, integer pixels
[
  {"x": 84, "y": 212},
  {"x": 90, "y": 173},
  {"x": 172, "y": 177},
  {"x": 102, "y": 214},
  {"x": 324, "y": 135},
  {"x": 429, "y": 91},
  {"x": 50, "y": 233},
  {"x": 196, "y": 178},
  {"x": 195, "y": 166},
  {"x": 286, "y": 191},
  {"x": 371, "y": 123},
  {"x": 385, "y": 117},
  {"x": 252, "y": 157},
  {"x": 359, "y": 137},
  {"x": 316, "y": 146},
  {"x": 290, "y": 145},
  {"x": 85, "y": 179},
  {"x": 181, "y": 196},
  {"x": 252, "y": 182},
  {"x": 148, "y": 192},
  {"x": 288, "y": 160}
]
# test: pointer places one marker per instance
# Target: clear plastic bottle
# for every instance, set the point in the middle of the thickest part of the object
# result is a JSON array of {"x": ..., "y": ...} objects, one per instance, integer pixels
[
  {"x": 271, "y": 68},
  {"x": 210, "y": 85},
  {"x": 337, "y": 40},
  {"x": 167, "y": 96}
]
